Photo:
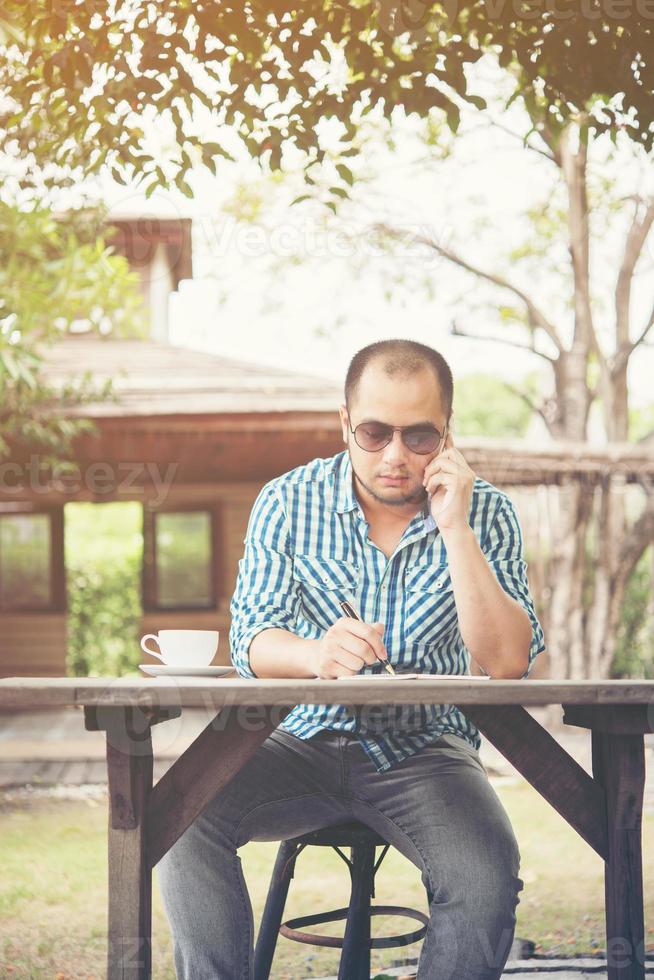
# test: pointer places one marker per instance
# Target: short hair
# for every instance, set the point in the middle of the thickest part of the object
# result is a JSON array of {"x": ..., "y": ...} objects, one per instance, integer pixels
[{"x": 401, "y": 357}]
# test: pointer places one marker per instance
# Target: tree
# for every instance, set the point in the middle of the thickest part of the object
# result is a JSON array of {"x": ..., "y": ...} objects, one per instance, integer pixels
[
  {"x": 596, "y": 548},
  {"x": 82, "y": 83},
  {"x": 56, "y": 272},
  {"x": 581, "y": 323}
]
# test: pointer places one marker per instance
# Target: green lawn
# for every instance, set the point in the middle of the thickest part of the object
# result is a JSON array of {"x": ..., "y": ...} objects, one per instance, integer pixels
[{"x": 53, "y": 890}]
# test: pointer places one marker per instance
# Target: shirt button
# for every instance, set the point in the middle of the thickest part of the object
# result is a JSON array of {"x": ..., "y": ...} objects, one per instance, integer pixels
[{"x": 384, "y": 587}]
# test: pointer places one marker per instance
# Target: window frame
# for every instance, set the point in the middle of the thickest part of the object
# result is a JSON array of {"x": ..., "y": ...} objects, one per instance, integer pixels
[
  {"x": 149, "y": 576},
  {"x": 57, "y": 571}
]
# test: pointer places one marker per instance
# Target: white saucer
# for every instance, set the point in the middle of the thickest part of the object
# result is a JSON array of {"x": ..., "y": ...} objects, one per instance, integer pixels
[{"x": 165, "y": 670}]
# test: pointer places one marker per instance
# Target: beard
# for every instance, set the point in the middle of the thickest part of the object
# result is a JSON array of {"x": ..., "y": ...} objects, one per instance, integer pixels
[{"x": 418, "y": 496}]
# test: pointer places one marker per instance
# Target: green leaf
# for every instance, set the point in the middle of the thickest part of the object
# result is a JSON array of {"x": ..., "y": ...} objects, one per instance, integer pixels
[
  {"x": 10, "y": 364},
  {"x": 215, "y": 149},
  {"x": 345, "y": 173},
  {"x": 183, "y": 186}
]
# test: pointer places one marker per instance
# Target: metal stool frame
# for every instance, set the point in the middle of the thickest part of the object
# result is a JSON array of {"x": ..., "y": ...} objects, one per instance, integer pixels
[{"x": 357, "y": 942}]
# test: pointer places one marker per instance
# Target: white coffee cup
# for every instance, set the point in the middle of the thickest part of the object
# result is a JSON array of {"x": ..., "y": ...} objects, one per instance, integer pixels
[{"x": 183, "y": 648}]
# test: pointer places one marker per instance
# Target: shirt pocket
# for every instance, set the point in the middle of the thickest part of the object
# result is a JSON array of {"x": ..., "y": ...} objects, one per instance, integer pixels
[
  {"x": 429, "y": 608},
  {"x": 323, "y": 584}
]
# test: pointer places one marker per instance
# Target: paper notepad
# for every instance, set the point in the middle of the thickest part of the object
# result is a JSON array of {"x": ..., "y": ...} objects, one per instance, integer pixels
[{"x": 408, "y": 677}]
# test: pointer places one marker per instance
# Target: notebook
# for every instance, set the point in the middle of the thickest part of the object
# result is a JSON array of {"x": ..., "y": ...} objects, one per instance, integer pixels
[{"x": 408, "y": 677}]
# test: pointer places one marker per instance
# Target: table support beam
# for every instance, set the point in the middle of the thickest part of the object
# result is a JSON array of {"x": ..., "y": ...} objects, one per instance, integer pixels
[
  {"x": 547, "y": 766},
  {"x": 623, "y": 719},
  {"x": 208, "y": 764}
]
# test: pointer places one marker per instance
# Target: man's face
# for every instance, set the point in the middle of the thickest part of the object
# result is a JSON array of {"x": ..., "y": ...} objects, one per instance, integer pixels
[{"x": 393, "y": 475}]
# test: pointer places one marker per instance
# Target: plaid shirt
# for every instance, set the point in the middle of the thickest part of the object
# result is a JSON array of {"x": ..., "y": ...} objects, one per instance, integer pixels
[{"x": 306, "y": 548}]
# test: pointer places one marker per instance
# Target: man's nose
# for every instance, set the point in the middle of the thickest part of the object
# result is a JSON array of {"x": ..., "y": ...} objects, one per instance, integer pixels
[{"x": 395, "y": 452}]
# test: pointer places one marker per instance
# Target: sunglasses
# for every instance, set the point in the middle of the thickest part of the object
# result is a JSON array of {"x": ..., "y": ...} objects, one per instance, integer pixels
[{"x": 373, "y": 436}]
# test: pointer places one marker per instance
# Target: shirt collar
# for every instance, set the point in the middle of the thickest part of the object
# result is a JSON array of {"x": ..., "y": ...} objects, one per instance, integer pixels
[
  {"x": 345, "y": 499},
  {"x": 344, "y": 496}
]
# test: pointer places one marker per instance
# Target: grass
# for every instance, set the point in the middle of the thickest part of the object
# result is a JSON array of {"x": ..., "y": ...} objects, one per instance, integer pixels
[{"x": 53, "y": 891}]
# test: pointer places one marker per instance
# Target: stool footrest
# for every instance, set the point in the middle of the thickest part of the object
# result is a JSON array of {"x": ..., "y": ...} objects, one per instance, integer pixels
[{"x": 292, "y": 928}]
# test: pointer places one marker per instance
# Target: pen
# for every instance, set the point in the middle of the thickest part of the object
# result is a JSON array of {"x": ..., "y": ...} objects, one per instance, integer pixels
[{"x": 349, "y": 611}]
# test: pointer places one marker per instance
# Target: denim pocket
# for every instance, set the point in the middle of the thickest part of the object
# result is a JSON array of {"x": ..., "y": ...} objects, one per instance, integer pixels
[{"x": 460, "y": 744}]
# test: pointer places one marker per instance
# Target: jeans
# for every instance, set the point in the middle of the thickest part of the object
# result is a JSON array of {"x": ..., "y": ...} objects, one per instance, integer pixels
[{"x": 436, "y": 807}]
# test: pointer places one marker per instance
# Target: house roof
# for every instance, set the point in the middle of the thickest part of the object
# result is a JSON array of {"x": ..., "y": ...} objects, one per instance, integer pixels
[
  {"x": 137, "y": 238},
  {"x": 222, "y": 418},
  {"x": 159, "y": 379}
]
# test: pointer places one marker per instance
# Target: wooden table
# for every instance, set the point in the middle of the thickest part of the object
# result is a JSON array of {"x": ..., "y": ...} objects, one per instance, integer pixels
[{"x": 146, "y": 819}]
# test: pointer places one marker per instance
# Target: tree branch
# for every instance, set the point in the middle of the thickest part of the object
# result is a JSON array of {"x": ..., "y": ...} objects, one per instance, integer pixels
[
  {"x": 643, "y": 334},
  {"x": 539, "y": 409},
  {"x": 535, "y": 317},
  {"x": 550, "y": 138},
  {"x": 531, "y": 348},
  {"x": 536, "y": 149},
  {"x": 624, "y": 352},
  {"x": 640, "y": 535},
  {"x": 573, "y": 166},
  {"x": 573, "y": 163},
  {"x": 636, "y": 238}
]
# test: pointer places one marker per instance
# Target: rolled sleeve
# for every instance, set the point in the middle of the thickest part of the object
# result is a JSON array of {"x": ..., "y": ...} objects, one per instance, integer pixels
[
  {"x": 504, "y": 552},
  {"x": 265, "y": 595}
]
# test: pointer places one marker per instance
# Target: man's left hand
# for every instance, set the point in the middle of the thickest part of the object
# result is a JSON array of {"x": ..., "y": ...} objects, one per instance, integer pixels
[{"x": 449, "y": 478}]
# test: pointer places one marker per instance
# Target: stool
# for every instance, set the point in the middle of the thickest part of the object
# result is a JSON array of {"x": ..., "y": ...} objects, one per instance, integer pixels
[{"x": 356, "y": 943}]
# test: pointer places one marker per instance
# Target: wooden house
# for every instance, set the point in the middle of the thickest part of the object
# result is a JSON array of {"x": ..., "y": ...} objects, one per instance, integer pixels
[{"x": 192, "y": 437}]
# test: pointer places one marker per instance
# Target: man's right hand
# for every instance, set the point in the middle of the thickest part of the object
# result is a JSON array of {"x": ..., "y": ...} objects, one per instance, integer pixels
[{"x": 346, "y": 647}]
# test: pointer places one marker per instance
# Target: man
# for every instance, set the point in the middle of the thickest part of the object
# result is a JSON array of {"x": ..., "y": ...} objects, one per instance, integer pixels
[{"x": 431, "y": 557}]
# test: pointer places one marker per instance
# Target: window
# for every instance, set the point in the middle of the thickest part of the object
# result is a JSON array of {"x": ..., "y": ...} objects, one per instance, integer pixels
[
  {"x": 31, "y": 561},
  {"x": 179, "y": 569}
]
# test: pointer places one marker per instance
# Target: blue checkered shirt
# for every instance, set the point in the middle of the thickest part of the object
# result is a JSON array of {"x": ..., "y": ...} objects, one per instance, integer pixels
[{"x": 306, "y": 548}]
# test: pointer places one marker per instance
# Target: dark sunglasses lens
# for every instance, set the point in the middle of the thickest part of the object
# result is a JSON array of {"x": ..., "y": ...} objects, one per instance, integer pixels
[
  {"x": 422, "y": 440},
  {"x": 372, "y": 435}
]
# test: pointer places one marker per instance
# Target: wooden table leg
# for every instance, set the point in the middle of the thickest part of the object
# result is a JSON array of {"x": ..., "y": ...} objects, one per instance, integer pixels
[
  {"x": 129, "y": 774},
  {"x": 145, "y": 820},
  {"x": 606, "y": 810},
  {"x": 203, "y": 769},
  {"x": 547, "y": 766},
  {"x": 618, "y": 755},
  {"x": 619, "y": 765}
]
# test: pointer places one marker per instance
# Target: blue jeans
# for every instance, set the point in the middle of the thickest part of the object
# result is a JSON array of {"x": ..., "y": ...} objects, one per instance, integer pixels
[{"x": 436, "y": 807}]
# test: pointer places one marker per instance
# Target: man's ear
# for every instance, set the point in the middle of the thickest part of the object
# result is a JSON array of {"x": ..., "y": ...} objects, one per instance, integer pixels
[{"x": 345, "y": 425}]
